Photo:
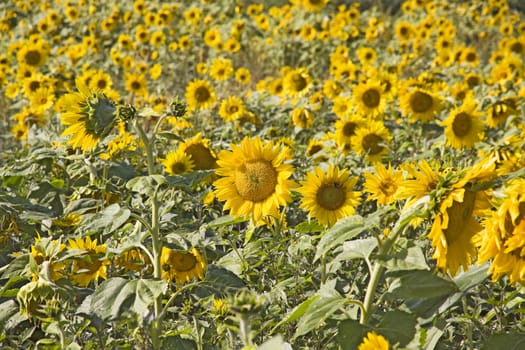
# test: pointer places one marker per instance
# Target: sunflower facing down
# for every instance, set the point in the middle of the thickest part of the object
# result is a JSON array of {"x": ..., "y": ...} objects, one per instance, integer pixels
[
  {"x": 328, "y": 196},
  {"x": 254, "y": 179},
  {"x": 464, "y": 127},
  {"x": 89, "y": 116},
  {"x": 503, "y": 236},
  {"x": 182, "y": 266}
]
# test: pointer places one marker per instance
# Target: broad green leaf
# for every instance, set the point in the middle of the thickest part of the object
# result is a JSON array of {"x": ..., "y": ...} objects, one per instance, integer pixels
[
  {"x": 397, "y": 326},
  {"x": 218, "y": 281},
  {"x": 328, "y": 302},
  {"x": 189, "y": 179},
  {"x": 170, "y": 136},
  {"x": 275, "y": 343},
  {"x": 177, "y": 343},
  {"x": 357, "y": 249},
  {"x": 297, "y": 311},
  {"x": 5, "y": 292},
  {"x": 344, "y": 230},
  {"x": 419, "y": 284},
  {"x": 309, "y": 227},
  {"x": 16, "y": 267},
  {"x": 225, "y": 220},
  {"x": 474, "y": 276},
  {"x": 146, "y": 185},
  {"x": 114, "y": 295},
  {"x": 510, "y": 341},
  {"x": 107, "y": 221},
  {"x": 406, "y": 256},
  {"x": 8, "y": 309},
  {"x": 350, "y": 334}
]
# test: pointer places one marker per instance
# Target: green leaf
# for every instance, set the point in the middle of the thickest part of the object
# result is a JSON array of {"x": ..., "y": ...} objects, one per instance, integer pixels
[
  {"x": 297, "y": 311},
  {"x": 8, "y": 309},
  {"x": 218, "y": 281},
  {"x": 5, "y": 292},
  {"x": 328, "y": 302},
  {"x": 345, "y": 229},
  {"x": 189, "y": 179},
  {"x": 509, "y": 341},
  {"x": 115, "y": 295},
  {"x": 170, "y": 136},
  {"x": 16, "y": 267},
  {"x": 309, "y": 227},
  {"x": 275, "y": 343},
  {"x": 350, "y": 334},
  {"x": 357, "y": 249},
  {"x": 107, "y": 221},
  {"x": 177, "y": 343},
  {"x": 398, "y": 327},
  {"x": 225, "y": 220},
  {"x": 406, "y": 256},
  {"x": 419, "y": 284},
  {"x": 146, "y": 185}
]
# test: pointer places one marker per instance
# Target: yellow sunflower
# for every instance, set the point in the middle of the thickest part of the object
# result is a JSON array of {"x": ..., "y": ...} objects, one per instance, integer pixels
[
  {"x": 33, "y": 54},
  {"x": 297, "y": 82},
  {"x": 254, "y": 179},
  {"x": 501, "y": 110},
  {"x": 182, "y": 266},
  {"x": 221, "y": 69},
  {"x": 382, "y": 185},
  {"x": 178, "y": 162},
  {"x": 243, "y": 75},
  {"x": 328, "y": 196},
  {"x": 314, "y": 5},
  {"x": 199, "y": 149},
  {"x": 47, "y": 250},
  {"x": 137, "y": 84},
  {"x": 345, "y": 130},
  {"x": 374, "y": 341},
  {"x": 422, "y": 179},
  {"x": 232, "y": 109},
  {"x": 464, "y": 127},
  {"x": 302, "y": 117},
  {"x": 503, "y": 236},
  {"x": 369, "y": 98},
  {"x": 89, "y": 265},
  {"x": 371, "y": 140},
  {"x": 89, "y": 116},
  {"x": 200, "y": 95},
  {"x": 419, "y": 104}
]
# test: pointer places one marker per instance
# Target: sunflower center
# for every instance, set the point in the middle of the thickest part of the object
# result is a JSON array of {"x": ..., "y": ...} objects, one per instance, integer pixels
[
  {"x": 388, "y": 188},
  {"x": 372, "y": 144},
  {"x": 298, "y": 82},
  {"x": 202, "y": 94},
  {"x": 349, "y": 129},
  {"x": 183, "y": 262},
  {"x": 462, "y": 124},
  {"x": 371, "y": 98},
  {"x": 101, "y": 84},
  {"x": 233, "y": 109},
  {"x": 420, "y": 102},
  {"x": 256, "y": 180},
  {"x": 34, "y": 85},
  {"x": 202, "y": 156},
  {"x": 135, "y": 86},
  {"x": 331, "y": 196},
  {"x": 32, "y": 57},
  {"x": 178, "y": 168}
]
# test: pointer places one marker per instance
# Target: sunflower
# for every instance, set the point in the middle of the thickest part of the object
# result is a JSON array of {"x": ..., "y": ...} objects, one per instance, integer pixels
[
  {"x": 503, "y": 236},
  {"x": 254, "y": 179},
  {"x": 332, "y": 89},
  {"x": 275, "y": 87},
  {"x": 232, "y": 108},
  {"x": 341, "y": 106},
  {"x": 419, "y": 104},
  {"x": 369, "y": 99},
  {"x": 328, "y": 196},
  {"x": 100, "y": 80},
  {"x": 178, "y": 162},
  {"x": 200, "y": 95},
  {"x": 182, "y": 266},
  {"x": 370, "y": 140},
  {"x": 422, "y": 179},
  {"x": 345, "y": 130},
  {"x": 90, "y": 265},
  {"x": 404, "y": 30},
  {"x": 374, "y": 341},
  {"x": 42, "y": 99},
  {"x": 366, "y": 55},
  {"x": 33, "y": 54},
  {"x": 201, "y": 154},
  {"x": 302, "y": 117},
  {"x": 243, "y": 75},
  {"x": 501, "y": 110},
  {"x": 137, "y": 84},
  {"x": 297, "y": 82},
  {"x": 221, "y": 69},
  {"x": 89, "y": 116},
  {"x": 383, "y": 185},
  {"x": 212, "y": 37},
  {"x": 314, "y": 5},
  {"x": 464, "y": 127},
  {"x": 47, "y": 250}
]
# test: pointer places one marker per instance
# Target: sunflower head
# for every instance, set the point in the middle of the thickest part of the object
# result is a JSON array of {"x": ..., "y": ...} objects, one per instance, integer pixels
[{"x": 182, "y": 266}]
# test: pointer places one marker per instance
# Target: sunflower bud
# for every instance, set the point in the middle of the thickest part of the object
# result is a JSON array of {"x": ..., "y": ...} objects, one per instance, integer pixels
[
  {"x": 178, "y": 107},
  {"x": 247, "y": 302},
  {"x": 126, "y": 112}
]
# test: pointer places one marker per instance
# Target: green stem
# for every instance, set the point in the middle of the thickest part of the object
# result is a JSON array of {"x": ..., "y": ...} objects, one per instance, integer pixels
[
  {"x": 148, "y": 143},
  {"x": 244, "y": 329}
]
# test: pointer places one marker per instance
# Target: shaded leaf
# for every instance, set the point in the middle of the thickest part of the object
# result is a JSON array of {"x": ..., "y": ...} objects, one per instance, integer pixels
[
  {"x": 398, "y": 327},
  {"x": 419, "y": 284},
  {"x": 218, "y": 281},
  {"x": 510, "y": 341},
  {"x": 225, "y": 220},
  {"x": 350, "y": 334},
  {"x": 345, "y": 229},
  {"x": 108, "y": 220},
  {"x": 309, "y": 227},
  {"x": 177, "y": 343},
  {"x": 297, "y": 311},
  {"x": 146, "y": 185}
]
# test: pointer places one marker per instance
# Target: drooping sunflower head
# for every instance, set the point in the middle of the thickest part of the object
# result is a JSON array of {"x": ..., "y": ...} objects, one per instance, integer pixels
[
  {"x": 90, "y": 116},
  {"x": 371, "y": 140},
  {"x": 178, "y": 162},
  {"x": 254, "y": 179},
  {"x": 182, "y": 266},
  {"x": 328, "y": 195},
  {"x": 201, "y": 153},
  {"x": 464, "y": 127},
  {"x": 200, "y": 95}
]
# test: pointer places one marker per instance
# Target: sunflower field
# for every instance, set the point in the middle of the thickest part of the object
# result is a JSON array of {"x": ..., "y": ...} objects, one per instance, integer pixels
[{"x": 285, "y": 174}]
